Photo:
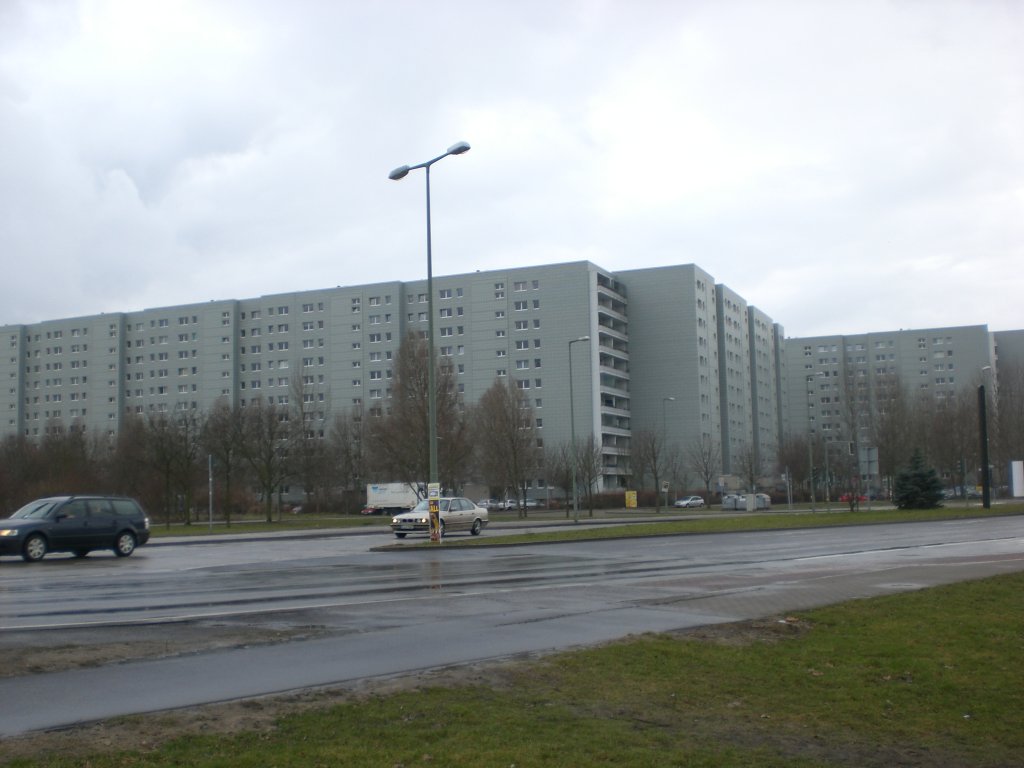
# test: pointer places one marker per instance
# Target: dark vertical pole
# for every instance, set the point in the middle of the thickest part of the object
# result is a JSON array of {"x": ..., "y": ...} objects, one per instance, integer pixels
[{"x": 986, "y": 478}]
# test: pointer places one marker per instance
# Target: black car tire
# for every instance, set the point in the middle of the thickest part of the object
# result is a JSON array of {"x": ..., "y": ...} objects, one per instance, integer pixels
[
  {"x": 124, "y": 544},
  {"x": 477, "y": 527},
  {"x": 82, "y": 552},
  {"x": 399, "y": 535},
  {"x": 34, "y": 548},
  {"x": 442, "y": 529}
]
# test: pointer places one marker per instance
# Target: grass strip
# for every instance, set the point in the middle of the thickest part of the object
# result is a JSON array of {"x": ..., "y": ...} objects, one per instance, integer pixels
[
  {"x": 929, "y": 678},
  {"x": 731, "y": 524},
  {"x": 710, "y": 523}
]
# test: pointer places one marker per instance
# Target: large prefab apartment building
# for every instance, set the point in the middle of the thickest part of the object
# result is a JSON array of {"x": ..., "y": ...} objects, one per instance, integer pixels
[{"x": 666, "y": 350}]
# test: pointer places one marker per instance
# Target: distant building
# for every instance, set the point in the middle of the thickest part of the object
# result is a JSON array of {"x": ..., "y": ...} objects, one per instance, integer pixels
[
  {"x": 834, "y": 381},
  {"x": 668, "y": 350}
]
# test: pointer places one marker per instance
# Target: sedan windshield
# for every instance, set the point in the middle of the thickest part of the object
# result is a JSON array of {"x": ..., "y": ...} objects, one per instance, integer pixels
[
  {"x": 36, "y": 509},
  {"x": 424, "y": 506}
]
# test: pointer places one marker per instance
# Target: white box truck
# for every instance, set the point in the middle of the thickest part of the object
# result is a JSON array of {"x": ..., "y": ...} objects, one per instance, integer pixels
[{"x": 390, "y": 498}]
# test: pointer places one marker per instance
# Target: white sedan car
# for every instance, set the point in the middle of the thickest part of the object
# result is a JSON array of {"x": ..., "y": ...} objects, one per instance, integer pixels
[
  {"x": 457, "y": 514},
  {"x": 689, "y": 501}
]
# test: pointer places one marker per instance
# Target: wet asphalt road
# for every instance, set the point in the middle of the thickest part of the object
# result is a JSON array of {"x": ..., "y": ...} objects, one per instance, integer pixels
[{"x": 388, "y": 613}]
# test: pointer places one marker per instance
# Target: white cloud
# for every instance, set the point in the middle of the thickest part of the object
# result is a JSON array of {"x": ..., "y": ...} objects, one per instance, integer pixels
[{"x": 844, "y": 166}]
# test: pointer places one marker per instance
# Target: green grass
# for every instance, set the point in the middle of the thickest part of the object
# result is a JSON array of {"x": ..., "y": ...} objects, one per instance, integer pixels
[
  {"x": 930, "y": 678},
  {"x": 732, "y": 524},
  {"x": 799, "y": 518},
  {"x": 259, "y": 525}
]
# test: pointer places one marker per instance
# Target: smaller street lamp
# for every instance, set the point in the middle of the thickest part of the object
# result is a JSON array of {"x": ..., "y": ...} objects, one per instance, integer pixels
[
  {"x": 572, "y": 432},
  {"x": 664, "y": 432}
]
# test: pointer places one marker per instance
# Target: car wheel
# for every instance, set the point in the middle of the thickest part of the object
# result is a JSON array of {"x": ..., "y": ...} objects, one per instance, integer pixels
[
  {"x": 82, "y": 552},
  {"x": 442, "y": 529},
  {"x": 124, "y": 544},
  {"x": 34, "y": 549},
  {"x": 477, "y": 527},
  {"x": 399, "y": 535}
]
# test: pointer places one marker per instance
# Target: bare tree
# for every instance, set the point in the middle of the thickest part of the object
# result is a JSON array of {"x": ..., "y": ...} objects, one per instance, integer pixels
[
  {"x": 65, "y": 460},
  {"x": 588, "y": 467},
  {"x": 455, "y": 445},
  {"x": 311, "y": 458},
  {"x": 186, "y": 432},
  {"x": 223, "y": 438},
  {"x": 345, "y": 445},
  {"x": 266, "y": 448},
  {"x": 890, "y": 426},
  {"x": 128, "y": 464},
  {"x": 558, "y": 470},
  {"x": 1009, "y": 415},
  {"x": 398, "y": 440},
  {"x": 793, "y": 460},
  {"x": 506, "y": 439},
  {"x": 161, "y": 443},
  {"x": 651, "y": 457},
  {"x": 398, "y": 437},
  {"x": 704, "y": 457},
  {"x": 749, "y": 467},
  {"x": 954, "y": 436}
]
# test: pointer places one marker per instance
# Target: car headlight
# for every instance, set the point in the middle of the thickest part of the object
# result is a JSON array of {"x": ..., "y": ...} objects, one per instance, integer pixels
[{"x": 9, "y": 532}]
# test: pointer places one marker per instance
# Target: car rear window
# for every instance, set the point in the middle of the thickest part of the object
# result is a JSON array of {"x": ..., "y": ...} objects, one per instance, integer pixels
[{"x": 126, "y": 507}]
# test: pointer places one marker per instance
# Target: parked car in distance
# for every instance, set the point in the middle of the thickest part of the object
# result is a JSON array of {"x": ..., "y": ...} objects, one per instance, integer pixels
[
  {"x": 491, "y": 505},
  {"x": 522, "y": 504},
  {"x": 456, "y": 513},
  {"x": 689, "y": 501},
  {"x": 848, "y": 497},
  {"x": 76, "y": 524}
]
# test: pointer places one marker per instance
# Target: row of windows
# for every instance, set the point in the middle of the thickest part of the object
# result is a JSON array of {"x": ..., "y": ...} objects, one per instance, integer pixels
[{"x": 75, "y": 333}]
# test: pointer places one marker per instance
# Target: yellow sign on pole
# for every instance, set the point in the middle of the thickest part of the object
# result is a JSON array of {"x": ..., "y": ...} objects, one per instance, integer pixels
[
  {"x": 433, "y": 499},
  {"x": 630, "y": 499}
]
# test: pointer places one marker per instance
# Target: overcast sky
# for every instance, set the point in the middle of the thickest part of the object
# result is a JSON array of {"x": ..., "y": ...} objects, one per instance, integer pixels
[{"x": 845, "y": 166}]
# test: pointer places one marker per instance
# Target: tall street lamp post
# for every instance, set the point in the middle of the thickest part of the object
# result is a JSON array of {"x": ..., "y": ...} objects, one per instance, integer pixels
[
  {"x": 395, "y": 175},
  {"x": 810, "y": 441},
  {"x": 664, "y": 420},
  {"x": 572, "y": 432},
  {"x": 664, "y": 433}
]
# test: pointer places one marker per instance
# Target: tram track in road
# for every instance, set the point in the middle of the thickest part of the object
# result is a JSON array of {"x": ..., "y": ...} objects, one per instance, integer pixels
[{"x": 112, "y": 596}]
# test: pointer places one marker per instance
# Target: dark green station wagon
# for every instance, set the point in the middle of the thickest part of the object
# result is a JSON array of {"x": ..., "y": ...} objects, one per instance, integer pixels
[{"x": 76, "y": 524}]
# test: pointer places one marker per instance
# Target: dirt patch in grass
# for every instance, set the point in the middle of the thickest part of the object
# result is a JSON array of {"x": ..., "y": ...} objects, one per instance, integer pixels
[
  {"x": 32, "y": 653},
  {"x": 36, "y": 653},
  {"x": 770, "y": 630},
  {"x": 758, "y": 731},
  {"x": 147, "y": 733}
]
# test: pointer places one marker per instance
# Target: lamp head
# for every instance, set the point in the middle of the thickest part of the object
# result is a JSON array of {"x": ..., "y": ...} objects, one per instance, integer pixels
[
  {"x": 399, "y": 173},
  {"x": 458, "y": 149}
]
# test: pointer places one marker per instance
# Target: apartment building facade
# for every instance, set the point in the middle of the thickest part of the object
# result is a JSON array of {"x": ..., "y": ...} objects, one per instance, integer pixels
[
  {"x": 834, "y": 382},
  {"x": 666, "y": 347}
]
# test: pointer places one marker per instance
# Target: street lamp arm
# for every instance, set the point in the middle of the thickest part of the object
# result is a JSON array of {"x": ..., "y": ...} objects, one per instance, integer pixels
[{"x": 402, "y": 171}]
